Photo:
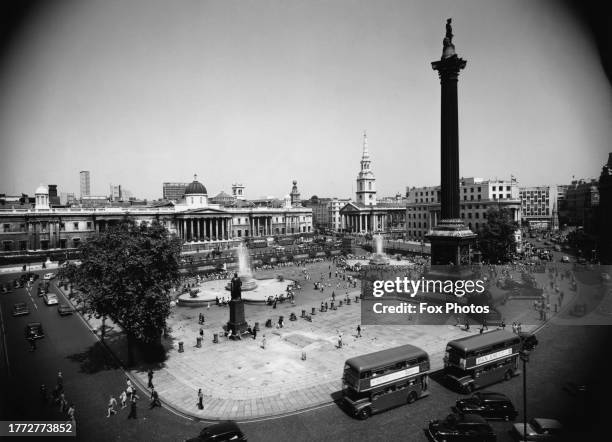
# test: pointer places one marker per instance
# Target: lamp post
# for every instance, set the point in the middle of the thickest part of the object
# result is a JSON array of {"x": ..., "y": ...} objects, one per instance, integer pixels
[{"x": 525, "y": 358}]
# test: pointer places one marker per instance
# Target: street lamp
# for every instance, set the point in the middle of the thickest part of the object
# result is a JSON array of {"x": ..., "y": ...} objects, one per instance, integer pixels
[{"x": 525, "y": 358}]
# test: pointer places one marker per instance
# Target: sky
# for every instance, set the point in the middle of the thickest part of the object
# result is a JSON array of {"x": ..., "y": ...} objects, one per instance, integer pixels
[{"x": 264, "y": 92}]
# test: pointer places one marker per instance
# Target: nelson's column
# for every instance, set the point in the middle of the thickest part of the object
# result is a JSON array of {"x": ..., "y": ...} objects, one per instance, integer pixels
[{"x": 450, "y": 239}]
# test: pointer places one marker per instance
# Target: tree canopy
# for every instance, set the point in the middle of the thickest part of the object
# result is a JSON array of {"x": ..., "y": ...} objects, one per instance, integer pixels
[
  {"x": 126, "y": 273},
  {"x": 496, "y": 238}
]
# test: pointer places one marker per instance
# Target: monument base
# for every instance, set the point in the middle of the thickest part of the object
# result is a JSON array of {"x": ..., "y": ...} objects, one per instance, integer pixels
[
  {"x": 451, "y": 243},
  {"x": 237, "y": 324}
]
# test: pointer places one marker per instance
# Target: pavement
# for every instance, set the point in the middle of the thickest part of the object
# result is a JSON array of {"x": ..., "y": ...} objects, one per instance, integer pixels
[{"x": 243, "y": 381}]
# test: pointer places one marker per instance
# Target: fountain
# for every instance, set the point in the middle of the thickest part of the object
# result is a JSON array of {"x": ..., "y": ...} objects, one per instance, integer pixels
[
  {"x": 244, "y": 270},
  {"x": 379, "y": 257}
]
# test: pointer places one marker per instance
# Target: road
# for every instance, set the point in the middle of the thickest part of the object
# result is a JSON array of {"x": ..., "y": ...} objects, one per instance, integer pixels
[{"x": 90, "y": 375}]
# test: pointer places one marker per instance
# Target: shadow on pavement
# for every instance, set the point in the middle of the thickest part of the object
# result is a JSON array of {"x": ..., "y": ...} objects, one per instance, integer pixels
[{"x": 95, "y": 359}]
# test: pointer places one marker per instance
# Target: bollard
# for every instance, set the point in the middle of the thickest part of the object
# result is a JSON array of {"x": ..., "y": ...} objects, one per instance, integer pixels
[
  {"x": 303, "y": 356},
  {"x": 216, "y": 338},
  {"x": 340, "y": 303},
  {"x": 314, "y": 311},
  {"x": 348, "y": 301},
  {"x": 303, "y": 313},
  {"x": 256, "y": 326},
  {"x": 269, "y": 323},
  {"x": 199, "y": 342},
  {"x": 181, "y": 350}
]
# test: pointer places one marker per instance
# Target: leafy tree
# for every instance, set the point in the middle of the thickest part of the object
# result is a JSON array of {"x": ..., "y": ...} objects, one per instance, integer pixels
[
  {"x": 126, "y": 273},
  {"x": 496, "y": 238}
]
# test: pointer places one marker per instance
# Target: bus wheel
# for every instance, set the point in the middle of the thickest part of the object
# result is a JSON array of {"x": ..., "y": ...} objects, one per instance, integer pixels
[
  {"x": 412, "y": 397},
  {"x": 364, "y": 413},
  {"x": 508, "y": 375}
]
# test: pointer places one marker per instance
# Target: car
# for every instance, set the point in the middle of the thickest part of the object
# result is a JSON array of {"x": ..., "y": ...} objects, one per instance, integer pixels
[
  {"x": 461, "y": 427},
  {"x": 605, "y": 276},
  {"x": 64, "y": 309},
  {"x": 20, "y": 309},
  {"x": 222, "y": 431},
  {"x": 565, "y": 259},
  {"x": 48, "y": 276},
  {"x": 488, "y": 404},
  {"x": 557, "y": 248},
  {"x": 538, "y": 429},
  {"x": 50, "y": 299},
  {"x": 34, "y": 329},
  {"x": 529, "y": 341}
]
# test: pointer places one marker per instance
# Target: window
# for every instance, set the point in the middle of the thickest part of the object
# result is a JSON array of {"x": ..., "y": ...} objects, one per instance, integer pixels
[
  {"x": 493, "y": 187},
  {"x": 7, "y": 246},
  {"x": 6, "y": 227},
  {"x": 62, "y": 226},
  {"x": 63, "y": 243},
  {"x": 88, "y": 225},
  {"x": 76, "y": 226},
  {"x": 23, "y": 245}
]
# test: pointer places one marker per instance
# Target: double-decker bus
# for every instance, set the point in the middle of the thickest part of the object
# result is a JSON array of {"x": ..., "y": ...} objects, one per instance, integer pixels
[
  {"x": 483, "y": 359},
  {"x": 378, "y": 381}
]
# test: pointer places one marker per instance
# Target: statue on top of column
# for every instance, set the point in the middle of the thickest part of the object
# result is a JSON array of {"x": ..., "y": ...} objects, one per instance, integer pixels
[
  {"x": 236, "y": 287},
  {"x": 448, "y": 46}
]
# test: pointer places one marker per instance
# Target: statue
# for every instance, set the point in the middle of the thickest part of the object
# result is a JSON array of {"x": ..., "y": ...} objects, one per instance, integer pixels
[
  {"x": 448, "y": 46},
  {"x": 236, "y": 287}
]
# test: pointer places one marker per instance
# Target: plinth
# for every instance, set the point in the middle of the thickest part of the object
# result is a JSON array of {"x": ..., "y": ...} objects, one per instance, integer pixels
[
  {"x": 237, "y": 324},
  {"x": 451, "y": 242}
]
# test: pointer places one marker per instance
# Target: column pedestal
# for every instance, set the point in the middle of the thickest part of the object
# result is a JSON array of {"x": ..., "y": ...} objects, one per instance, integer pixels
[{"x": 237, "y": 323}]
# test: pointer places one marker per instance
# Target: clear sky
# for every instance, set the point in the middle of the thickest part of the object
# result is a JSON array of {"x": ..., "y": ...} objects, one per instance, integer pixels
[{"x": 264, "y": 92}]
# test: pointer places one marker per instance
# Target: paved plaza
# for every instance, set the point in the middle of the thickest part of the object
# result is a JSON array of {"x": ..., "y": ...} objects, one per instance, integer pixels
[{"x": 241, "y": 380}]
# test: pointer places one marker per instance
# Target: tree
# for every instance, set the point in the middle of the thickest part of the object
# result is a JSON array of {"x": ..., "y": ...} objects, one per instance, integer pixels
[
  {"x": 496, "y": 238},
  {"x": 126, "y": 273}
]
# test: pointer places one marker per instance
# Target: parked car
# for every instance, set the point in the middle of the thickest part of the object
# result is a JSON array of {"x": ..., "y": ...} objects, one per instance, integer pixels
[
  {"x": 489, "y": 405},
  {"x": 222, "y": 431},
  {"x": 529, "y": 341},
  {"x": 565, "y": 259},
  {"x": 461, "y": 427},
  {"x": 48, "y": 276},
  {"x": 50, "y": 299},
  {"x": 20, "y": 309},
  {"x": 34, "y": 329},
  {"x": 538, "y": 429},
  {"x": 64, "y": 309}
]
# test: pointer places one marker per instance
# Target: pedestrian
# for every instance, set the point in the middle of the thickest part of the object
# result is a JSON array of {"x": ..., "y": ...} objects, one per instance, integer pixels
[
  {"x": 133, "y": 399},
  {"x": 254, "y": 333},
  {"x": 201, "y": 332},
  {"x": 112, "y": 403},
  {"x": 340, "y": 340},
  {"x": 200, "y": 399},
  {"x": 60, "y": 380},
  {"x": 70, "y": 413},
  {"x": 481, "y": 329},
  {"x": 154, "y": 399},
  {"x": 63, "y": 405},
  {"x": 518, "y": 327},
  {"x": 263, "y": 342},
  {"x": 359, "y": 331},
  {"x": 43, "y": 394},
  {"x": 123, "y": 399},
  {"x": 503, "y": 324},
  {"x": 150, "y": 376}
]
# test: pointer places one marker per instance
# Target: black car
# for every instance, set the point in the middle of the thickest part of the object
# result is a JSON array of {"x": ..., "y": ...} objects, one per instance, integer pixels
[
  {"x": 20, "y": 308},
  {"x": 461, "y": 427},
  {"x": 529, "y": 341},
  {"x": 34, "y": 329},
  {"x": 489, "y": 405},
  {"x": 223, "y": 431},
  {"x": 64, "y": 309}
]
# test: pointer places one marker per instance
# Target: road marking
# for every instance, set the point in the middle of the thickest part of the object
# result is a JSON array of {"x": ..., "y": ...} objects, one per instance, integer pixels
[{"x": 30, "y": 295}]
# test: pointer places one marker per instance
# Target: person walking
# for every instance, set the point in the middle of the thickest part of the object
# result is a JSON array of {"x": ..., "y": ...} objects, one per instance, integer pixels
[
  {"x": 60, "y": 380},
  {"x": 133, "y": 399},
  {"x": 358, "y": 330},
  {"x": 123, "y": 399},
  {"x": 263, "y": 342},
  {"x": 112, "y": 403},
  {"x": 200, "y": 399},
  {"x": 63, "y": 403},
  {"x": 70, "y": 413},
  {"x": 129, "y": 389},
  {"x": 254, "y": 333},
  {"x": 154, "y": 399},
  {"x": 43, "y": 393},
  {"x": 150, "y": 376}
]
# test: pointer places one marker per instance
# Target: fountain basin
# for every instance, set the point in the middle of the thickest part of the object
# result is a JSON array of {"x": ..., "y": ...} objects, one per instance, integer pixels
[
  {"x": 248, "y": 283},
  {"x": 210, "y": 290}
]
